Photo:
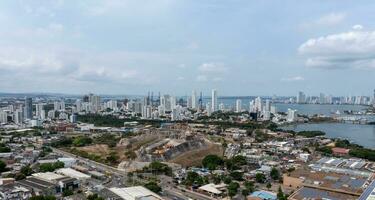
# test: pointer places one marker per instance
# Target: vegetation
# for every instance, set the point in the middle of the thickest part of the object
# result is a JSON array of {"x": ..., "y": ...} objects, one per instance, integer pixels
[
  {"x": 249, "y": 186},
  {"x": 113, "y": 121},
  {"x": 62, "y": 142},
  {"x": 84, "y": 154},
  {"x": 4, "y": 148},
  {"x": 67, "y": 193},
  {"x": 130, "y": 155},
  {"x": 363, "y": 153},
  {"x": 310, "y": 134},
  {"x": 42, "y": 198},
  {"x": 94, "y": 197},
  {"x": 107, "y": 139},
  {"x": 193, "y": 178},
  {"x": 82, "y": 141},
  {"x": 158, "y": 168},
  {"x": 327, "y": 151},
  {"x": 26, "y": 170},
  {"x": 281, "y": 195},
  {"x": 45, "y": 151},
  {"x": 3, "y": 166},
  {"x": 112, "y": 158},
  {"x": 260, "y": 178},
  {"x": 236, "y": 175},
  {"x": 275, "y": 175},
  {"x": 260, "y": 136},
  {"x": 233, "y": 188},
  {"x": 50, "y": 167},
  {"x": 153, "y": 186},
  {"x": 235, "y": 163},
  {"x": 212, "y": 162}
]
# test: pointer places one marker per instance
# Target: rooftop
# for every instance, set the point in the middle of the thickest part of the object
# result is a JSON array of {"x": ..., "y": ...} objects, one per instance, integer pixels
[{"x": 135, "y": 193}]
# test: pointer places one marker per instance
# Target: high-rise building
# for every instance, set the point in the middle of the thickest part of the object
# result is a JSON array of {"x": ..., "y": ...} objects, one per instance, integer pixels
[
  {"x": 258, "y": 104},
  {"x": 252, "y": 108},
  {"x": 18, "y": 116},
  {"x": 301, "y": 98},
  {"x": 221, "y": 107},
  {"x": 3, "y": 117},
  {"x": 214, "y": 100},
  {"x": 38, "y": 110},
  {"x": 291, "y": 115},
  {"x": 322, "y": 98},
  {"x": 95, "y": 102},
  {"x": 268, "y": 105},
  {"x": 238, "y": 105},
  {"x": 194, "y": 104},
  {"x": 208, "y": 109},
  {"x": 28, "y": 108}
]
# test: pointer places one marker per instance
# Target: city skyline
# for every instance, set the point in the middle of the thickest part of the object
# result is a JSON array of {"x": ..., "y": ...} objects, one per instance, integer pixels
[{"x": 240, "y": 48}]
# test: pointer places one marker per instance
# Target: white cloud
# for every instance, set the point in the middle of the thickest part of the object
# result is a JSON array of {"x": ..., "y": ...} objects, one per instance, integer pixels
[
  {"x": 293, "y": 79},
  {"x": 357, "y": 27},
  {"x": 331, "y": 19},
  {"x": 36, "y": 61},
  {"x": 180, "y": 78},
  {"x": 353, "y": 49},
  {"x": 212, "y": 67},
  {"x": 202, "y": 78}
]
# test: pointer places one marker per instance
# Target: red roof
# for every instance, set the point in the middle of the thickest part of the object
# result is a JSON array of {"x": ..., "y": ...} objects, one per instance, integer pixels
[{"x": 340, "y": 150}]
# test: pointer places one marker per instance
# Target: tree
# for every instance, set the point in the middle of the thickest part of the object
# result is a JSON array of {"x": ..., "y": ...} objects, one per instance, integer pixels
[
  {"x": 153, "y": 186},
  {"x": 216, "y": 179},
  {"x": 236, "y": 175},
  {"x": 4, "y": 148},
  {"x": 42, "y": 198},
  {"x": 3, "y": 166},
  {"x": 245, "y": 192},
  {"x": 233, "y": 188},
  {"x": 260, "y": 178},
  {"x": 211, "y": 162},
  {"x": 112, "y": 158},
  {"x": 67, "y": 193},
  {"x": 193, "y": 178},
  {"x": 275, "y": 175},
  {"x": 268, "y": 185},
  {"x": 159, "y": 168},
  {"x": 82, "y": 141},
  {"x": 26, "y": 170},
  {"x": 281, "y": 195},
  {"x": 94, "y": 197},
  {"x": 50, "y": 167},
  {"x": 249, "y": 186}
]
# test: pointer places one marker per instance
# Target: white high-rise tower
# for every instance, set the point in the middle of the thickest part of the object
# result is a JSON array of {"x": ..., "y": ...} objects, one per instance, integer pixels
[
  {"x": 214, "y": 100},
  {"x": 194, "y": 100}
]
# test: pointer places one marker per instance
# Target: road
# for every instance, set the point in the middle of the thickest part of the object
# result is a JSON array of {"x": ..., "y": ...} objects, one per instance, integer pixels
[
  {"x": 92, "y": 163},
  {"x": 172, "y": 191}
]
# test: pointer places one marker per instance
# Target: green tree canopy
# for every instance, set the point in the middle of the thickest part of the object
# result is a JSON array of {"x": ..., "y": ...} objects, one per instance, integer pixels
[{"x": 211, "y": 162}]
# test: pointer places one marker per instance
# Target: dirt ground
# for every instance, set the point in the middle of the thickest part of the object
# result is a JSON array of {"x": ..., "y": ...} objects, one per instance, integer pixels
[
  {"x": 97, "y": 149},
  {"x": 195, "y": 157}
]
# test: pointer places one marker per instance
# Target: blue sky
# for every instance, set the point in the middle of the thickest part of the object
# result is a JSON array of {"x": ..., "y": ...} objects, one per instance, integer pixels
[{"x": 240, "y": 47}]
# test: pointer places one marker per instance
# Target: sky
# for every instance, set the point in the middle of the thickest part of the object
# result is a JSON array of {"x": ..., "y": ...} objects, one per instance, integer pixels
[{"x": 239, "y": 47}]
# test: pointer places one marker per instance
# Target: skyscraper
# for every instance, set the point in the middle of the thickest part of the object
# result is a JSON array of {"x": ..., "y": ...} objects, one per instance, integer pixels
[
  {"x": 238, "y": 105},
  {"x": 194, "y": 100},
  {"x": 28, "y": 108},
  {"x": 301, "y": 98},
  {"x": 214, "y": 100}
]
